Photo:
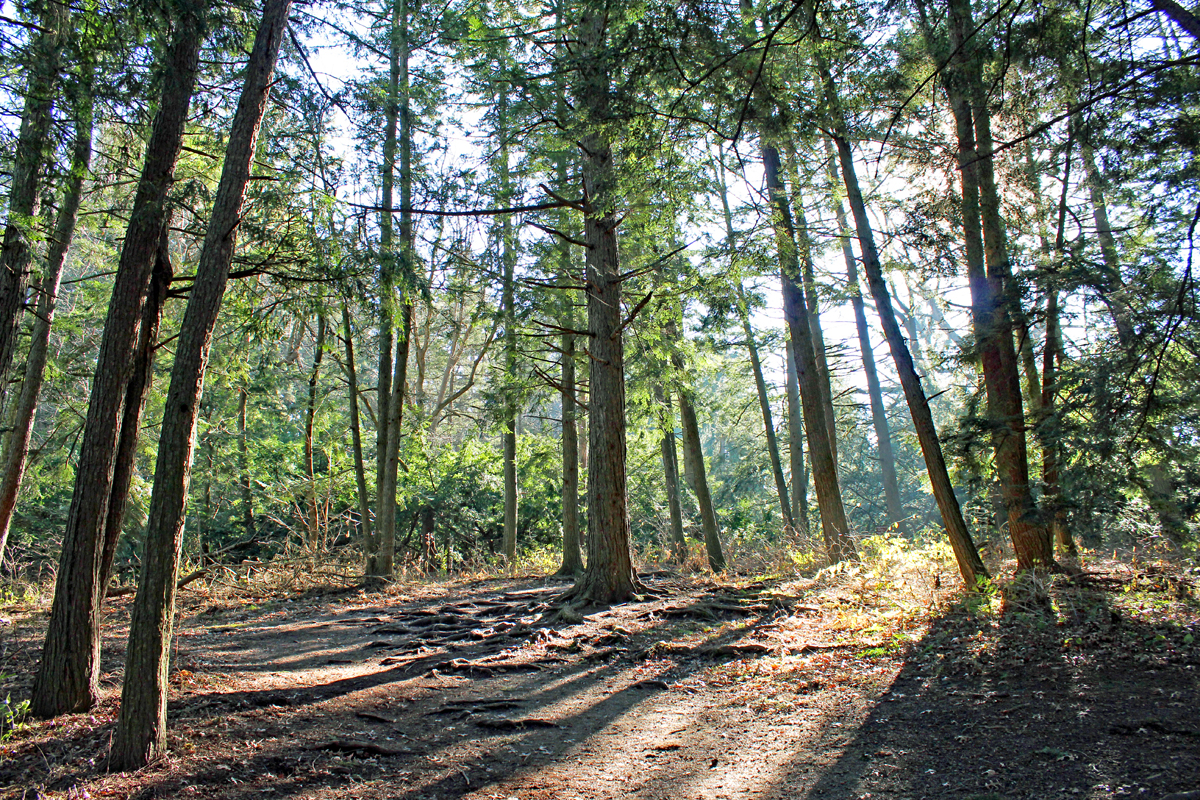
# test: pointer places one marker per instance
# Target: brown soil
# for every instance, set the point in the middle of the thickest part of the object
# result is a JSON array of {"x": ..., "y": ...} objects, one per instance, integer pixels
[{"x": 738, "y": 690}]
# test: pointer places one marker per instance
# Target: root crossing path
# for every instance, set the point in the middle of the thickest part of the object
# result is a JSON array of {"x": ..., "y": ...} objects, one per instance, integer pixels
[{"x": 739, "y": 690}]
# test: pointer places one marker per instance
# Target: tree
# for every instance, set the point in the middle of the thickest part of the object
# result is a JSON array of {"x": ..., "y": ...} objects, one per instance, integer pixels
[
  {"x": 141, "y": 730},
  {"x": 69, "y": 668},
  {"x": 609, "y": 576}
]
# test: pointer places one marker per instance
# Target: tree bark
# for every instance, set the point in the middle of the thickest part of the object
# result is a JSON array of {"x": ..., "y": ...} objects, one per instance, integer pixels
[
  {"x": 137, "y": 392},
  {"x": 670, "y": 456},
  {"x": 760, "y": 383},
  {"x": 883, "y": 433},
  {"x": 141, "y": 729},
  {"x": 609, "y": 576},
  {"x": 834, "y": 526},
  {"x": 1180, "y": 15},
  {"x": 693, "y": 454},
  {"x": 1052, "y": 355},
  {"x": 360, "y": 473},
  {"x": 69, "y": 669},
  {"x": 969, "y": 563},
  {"x": 795, "y": 426},
  {"x": 508, "y": 257},
  {"x": 572, "y": 563},
  {"x": 310, "y": 418},
  {"x": 17, "y": 444},
  {"x": 992, "y": 297},
  {"x": 379, "y": 561},
  {"x": 812, "y": 303},
  {"x": 33, "y": 150}
]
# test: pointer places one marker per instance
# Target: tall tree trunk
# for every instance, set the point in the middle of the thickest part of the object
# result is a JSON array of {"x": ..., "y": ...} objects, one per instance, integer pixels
[
  {"x": 834, "y": 526},
  {"x": 883, "y": 433},
  {"x": 969, "y": 563},
  {"x": 1113, "y": 291},
  {"x": 17, "y": 444},
  {"x": 608, "y": 577},
  {"x": 760, "y": 383},
  {"x": 993, "y": 295},
  {"x": 245, "y": 482},
  {"x": 141, "y": 730},
  {"x": 379, "y": 561},
  {"x": 693, "y": 454},
  {"x": 666, "y": 421},
  {"x": 508, "y": 257},
  {"x": 310, "y": 418},
  {"x": 68, "y": 673},
  {"x": 360, "y": 473},
  {"x": 33, "y": 150},
  {"x": 572, "y": 563},
  {"x": 812, "y": 302},
  {"x": 137, "y": 392},
  {"x": 1180, "y": 15},
  {"x": 795, "y": 427},
  {"x": 1052, "y": 355}
]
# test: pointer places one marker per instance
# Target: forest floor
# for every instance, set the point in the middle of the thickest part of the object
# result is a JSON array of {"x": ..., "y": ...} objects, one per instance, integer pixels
[{"x": 843, "y": 686}]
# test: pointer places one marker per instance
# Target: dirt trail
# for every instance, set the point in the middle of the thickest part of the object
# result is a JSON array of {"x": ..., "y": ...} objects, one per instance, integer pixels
[{"x": 474, "y": 690}]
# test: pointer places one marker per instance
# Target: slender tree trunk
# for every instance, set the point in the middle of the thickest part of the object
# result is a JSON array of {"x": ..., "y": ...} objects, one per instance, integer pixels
[
  {"x": 883, "y": 433},
  {"x": 666, "y": 420},
  {"x": 834, "y": 526},
  {"x": 693, "y": 454},
  {"x": 795, "y": 426},
  {"x": 1052, "y": 355},
  {"x": 33, "y": 150},
  {"x": 379, "y": 561},
  {"x": 969, "y": 563},
  {"x": 508, "y": 256},
  {"x": 245, "y": 482},
  {"x": 68, "y": 673},
  {"x": 609, "y": 576},
  {"x": 764, "y": 401},
  {"x": 428, "y": 543},
  {"x": 397, "y": 140},
  {"x": 1113, "y": 291},
  {"x": 996, "y": 293},
  {"x": 17, "y": 445},
  {"x": 140, "y": 734},
  {"x": 572, "y": 563},
  {"x": 137, "y": 392},
  {"x": 812, "y": 303},
  {"x": 310, "y": 418},
  {"x": 360, "y": 473}
]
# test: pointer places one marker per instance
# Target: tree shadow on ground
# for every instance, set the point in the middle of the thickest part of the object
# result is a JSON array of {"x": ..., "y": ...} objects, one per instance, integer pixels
[{"x": 1092, "y": 701}]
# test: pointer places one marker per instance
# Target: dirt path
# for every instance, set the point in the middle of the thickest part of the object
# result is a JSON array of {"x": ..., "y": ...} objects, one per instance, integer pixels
[{"x": 473, "y": 690}]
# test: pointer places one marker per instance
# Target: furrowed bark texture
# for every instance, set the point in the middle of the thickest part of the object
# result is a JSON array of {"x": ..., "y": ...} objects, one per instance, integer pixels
[
  {"x": 137, "y": 392},
  {"x": 609, "y": 576},
  {"x": 141, "y": 730},
  {"x": 572, "y": 563},
  {"x": 69, "y": 670}
]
